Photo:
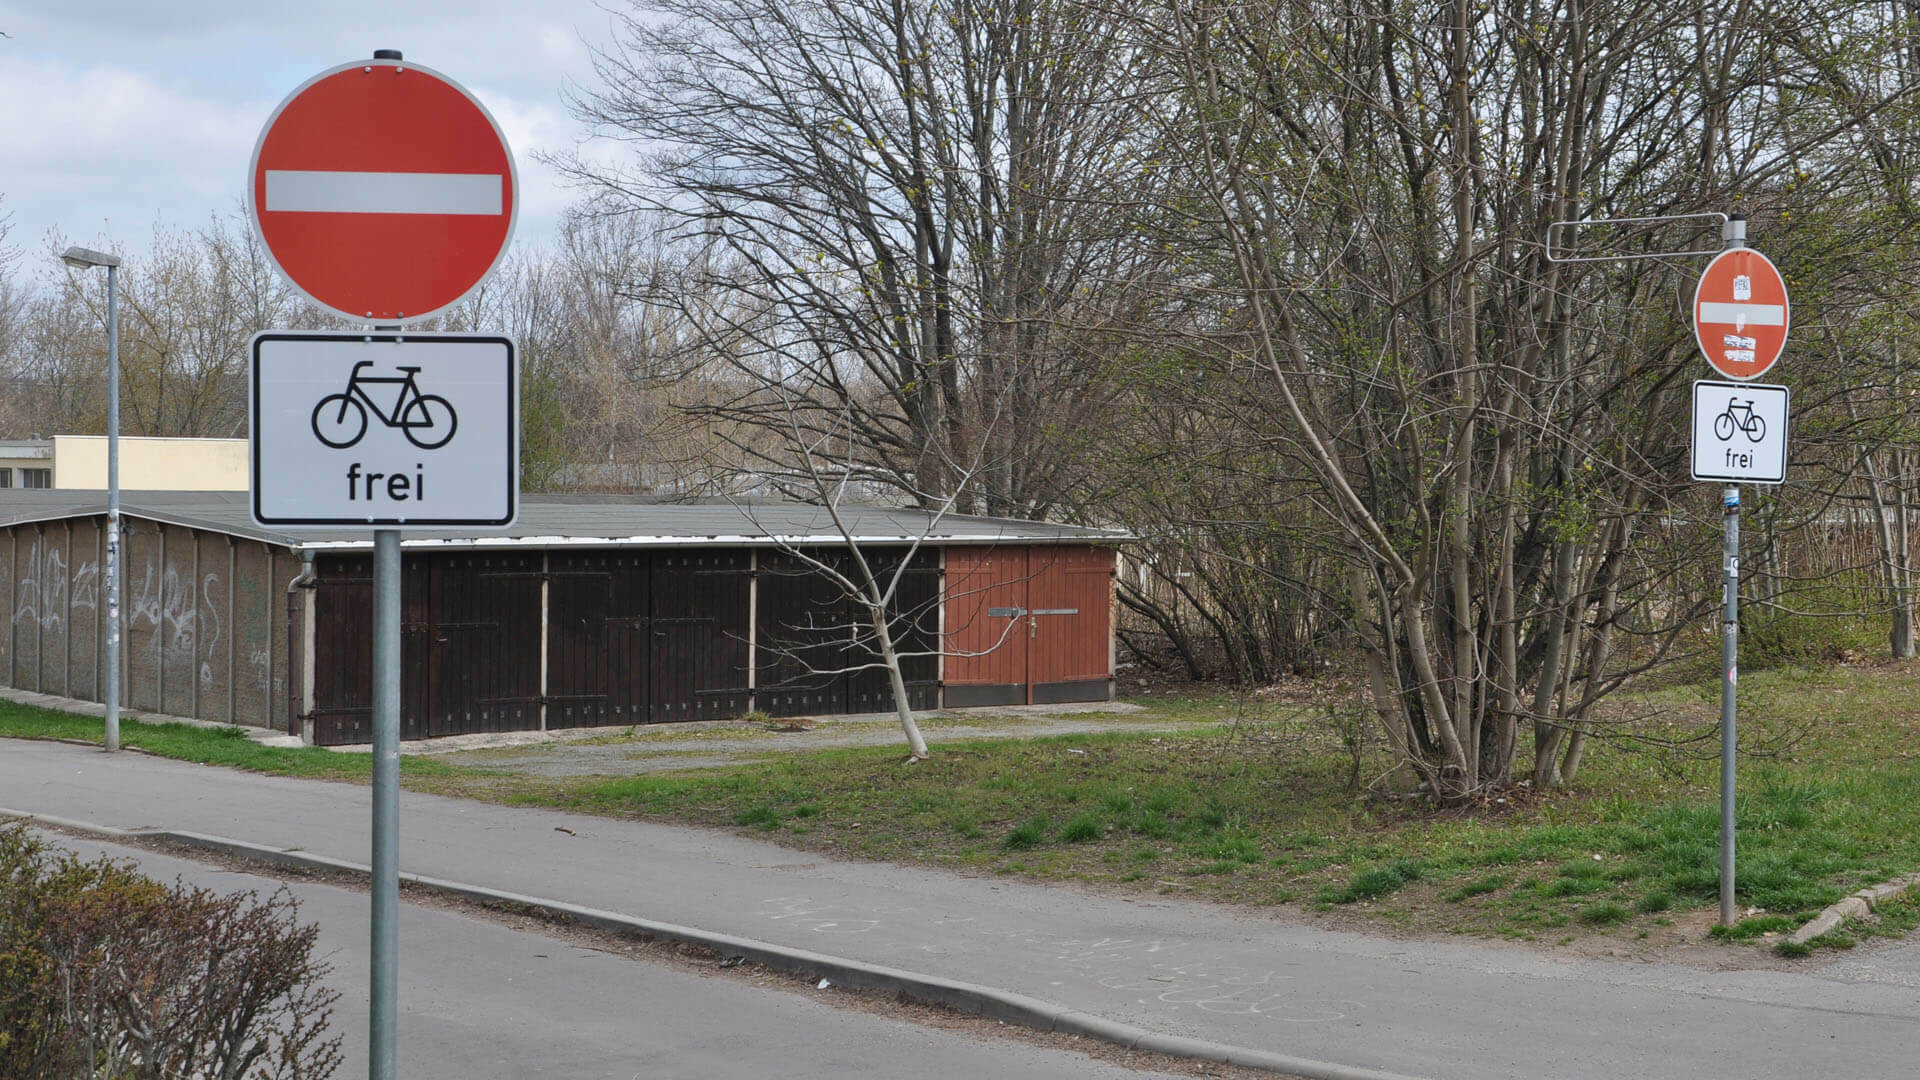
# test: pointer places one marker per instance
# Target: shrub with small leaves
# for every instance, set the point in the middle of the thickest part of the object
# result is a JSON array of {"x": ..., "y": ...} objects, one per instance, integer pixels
[{"x": 110, "y": 975}]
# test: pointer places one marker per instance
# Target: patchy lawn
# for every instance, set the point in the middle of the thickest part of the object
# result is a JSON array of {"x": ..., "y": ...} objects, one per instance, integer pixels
[
  {"x": 1255, "y": 803},
  {"x": 208, "y": 746}
]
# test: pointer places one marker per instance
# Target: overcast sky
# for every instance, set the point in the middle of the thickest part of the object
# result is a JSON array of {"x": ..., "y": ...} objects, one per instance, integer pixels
[{"x": 117, "y": 115}]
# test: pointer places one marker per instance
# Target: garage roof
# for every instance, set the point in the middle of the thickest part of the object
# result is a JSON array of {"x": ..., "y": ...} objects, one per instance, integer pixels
[{"x": 576, "y": 521}]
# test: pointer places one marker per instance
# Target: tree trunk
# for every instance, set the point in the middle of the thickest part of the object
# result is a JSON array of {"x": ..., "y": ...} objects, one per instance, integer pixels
[{"x": 916, "y": 745}]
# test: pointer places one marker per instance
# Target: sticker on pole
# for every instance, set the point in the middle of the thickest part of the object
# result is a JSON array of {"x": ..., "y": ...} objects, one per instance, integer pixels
[
  {"x": 414, "y": 431},
  {"x": 1739, "y": 432},
  {"x": 383, "y": 191},
  {"x": 1741, "y": 314}
]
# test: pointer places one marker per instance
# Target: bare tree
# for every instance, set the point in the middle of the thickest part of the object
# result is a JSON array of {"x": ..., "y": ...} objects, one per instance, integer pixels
[
  {"x": 888, "y": 628},
  {"x": 899, "y": 202},
  {"x": 189, "y": 306},
  {"x": 1493, "y": 438}
]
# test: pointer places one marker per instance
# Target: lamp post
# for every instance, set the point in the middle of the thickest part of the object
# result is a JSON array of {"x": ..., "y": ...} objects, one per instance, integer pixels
[{"x": 87, "y": 259}]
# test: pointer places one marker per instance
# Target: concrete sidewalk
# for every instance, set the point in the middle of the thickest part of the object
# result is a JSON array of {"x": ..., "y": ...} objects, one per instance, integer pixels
[
  {"x": 1441, "y": 1010},
  {"x": 483, "y": 999}
]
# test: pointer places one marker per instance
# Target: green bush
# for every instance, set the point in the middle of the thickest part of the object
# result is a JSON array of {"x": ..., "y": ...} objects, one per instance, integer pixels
[
  {"x": 1772, "y": 637},
  {"x": 1029, "y": 833},
  {"x": 1376, "y": 882},
  {"x": 1604, "y": 913},
  {"x": 765, "y": 817},
  {"x": 1083, "y": 828}
]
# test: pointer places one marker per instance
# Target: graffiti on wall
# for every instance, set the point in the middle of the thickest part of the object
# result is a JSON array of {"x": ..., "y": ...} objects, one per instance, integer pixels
[
  {"x": 183, "y": 628},
  {"x": 41, "y": 596},
  {"x": 211, "y": 631},
  {"x": 157, "y": 601}
]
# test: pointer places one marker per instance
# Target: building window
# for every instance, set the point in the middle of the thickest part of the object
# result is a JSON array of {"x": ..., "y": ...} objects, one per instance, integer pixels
[
  {"x": 36, "y": 478},
  {"x": 6, "y": 478}
]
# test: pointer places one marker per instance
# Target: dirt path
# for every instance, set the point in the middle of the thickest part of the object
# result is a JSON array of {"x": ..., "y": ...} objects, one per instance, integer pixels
[{"x": 712, "y": 744}]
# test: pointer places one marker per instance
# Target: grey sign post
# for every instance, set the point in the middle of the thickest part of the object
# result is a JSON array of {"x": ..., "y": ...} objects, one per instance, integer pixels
[
  {"x": 389, "y": 431},
  {"x": 1723, "y": 457},
  {"x": 384, "y": 430},
  {"x": 1739, "y": 434}
]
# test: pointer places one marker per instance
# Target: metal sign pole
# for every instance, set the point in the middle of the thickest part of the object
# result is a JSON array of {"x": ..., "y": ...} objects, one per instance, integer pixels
[
  {"x": 1736, "y": 236},
  {"x": 383, "y": 984},
  {"x": 1764, "y": 314},
  {"x": 336, "y": 225},
  {"x": 1729, "y": 685},
  {"x": 110, "y": 702}
]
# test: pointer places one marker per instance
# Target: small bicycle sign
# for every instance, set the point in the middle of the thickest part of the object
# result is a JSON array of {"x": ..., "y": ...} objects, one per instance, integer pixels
[
  {"x": 1739, "y": 416},
  {"x": 1725, "y": 411},
  {"x": 427, "y": 420}
]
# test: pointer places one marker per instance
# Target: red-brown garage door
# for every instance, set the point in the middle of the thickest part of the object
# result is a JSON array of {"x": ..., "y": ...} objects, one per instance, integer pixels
[{"x": 1028, "y": 625}]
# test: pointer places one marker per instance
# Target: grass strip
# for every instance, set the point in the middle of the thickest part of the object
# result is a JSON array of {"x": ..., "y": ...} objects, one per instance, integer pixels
[{"x": 1260, "y": 810}]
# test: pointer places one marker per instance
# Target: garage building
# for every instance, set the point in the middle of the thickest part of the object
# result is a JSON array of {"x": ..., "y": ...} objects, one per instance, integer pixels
[{"x": 590, "y": 611}]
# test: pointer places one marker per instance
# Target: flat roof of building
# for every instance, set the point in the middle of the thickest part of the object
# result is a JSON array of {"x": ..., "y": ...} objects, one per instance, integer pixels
[{"x": 556, "y": 521}]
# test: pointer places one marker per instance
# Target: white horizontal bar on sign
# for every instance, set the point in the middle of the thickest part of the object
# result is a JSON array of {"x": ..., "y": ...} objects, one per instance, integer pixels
[
  {"x": 317, "y": 192},
  {"x": 1751, "y": 314}
]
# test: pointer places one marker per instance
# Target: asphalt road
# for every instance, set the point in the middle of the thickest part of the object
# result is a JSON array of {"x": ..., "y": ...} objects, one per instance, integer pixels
[
  {"x": 1449, "y": 1010},
  {"x": 482, "y": 1000}
]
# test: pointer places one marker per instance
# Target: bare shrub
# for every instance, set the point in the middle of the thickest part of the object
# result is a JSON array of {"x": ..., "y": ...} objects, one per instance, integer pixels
[{"x": 110, "y": 975}]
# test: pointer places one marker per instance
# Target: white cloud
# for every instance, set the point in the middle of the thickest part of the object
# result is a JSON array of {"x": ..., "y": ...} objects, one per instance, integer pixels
[
  {"x": 117, "y": 115},
  {"x": 533, "y": 128},
  {"x": 110, "y": 149}
]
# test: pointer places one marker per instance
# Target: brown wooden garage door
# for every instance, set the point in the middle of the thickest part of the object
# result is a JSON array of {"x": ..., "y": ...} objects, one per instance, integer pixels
[
  {"x": 641, "y": 638},
  {"x": 806, "y": 627},
  {"x": 470, "y": 658},
  {"x": 599, "y": 608},
  {"x": 1028, "y": 625}
]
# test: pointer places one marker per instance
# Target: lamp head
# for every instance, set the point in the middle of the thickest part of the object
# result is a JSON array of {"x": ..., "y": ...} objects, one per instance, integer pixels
[{"x": 87, "y": 258}]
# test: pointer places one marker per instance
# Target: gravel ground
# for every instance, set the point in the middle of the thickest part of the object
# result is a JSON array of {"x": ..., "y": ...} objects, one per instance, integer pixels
[{"x": 711, "y": 744}]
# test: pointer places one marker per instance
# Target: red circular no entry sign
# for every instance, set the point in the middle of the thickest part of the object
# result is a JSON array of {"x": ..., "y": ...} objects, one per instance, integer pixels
[
  {"x": 383, "y": 191},
  {"x": 1740, "y": 313}
]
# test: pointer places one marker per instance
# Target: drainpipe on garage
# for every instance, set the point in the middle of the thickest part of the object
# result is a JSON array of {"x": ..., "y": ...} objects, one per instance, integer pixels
[
  {"x": 300, "y": 636},
  {"x": 546, "y": 624}
]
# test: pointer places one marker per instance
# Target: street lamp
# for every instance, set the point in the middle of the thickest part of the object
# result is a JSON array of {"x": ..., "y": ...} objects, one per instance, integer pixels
[{"x": 86, "y": 259}]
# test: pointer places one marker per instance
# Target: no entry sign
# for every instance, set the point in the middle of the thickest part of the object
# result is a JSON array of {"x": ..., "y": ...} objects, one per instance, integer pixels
[
  {"x": 1740, "y": 313},
  {"x": 383, "y": 191}
]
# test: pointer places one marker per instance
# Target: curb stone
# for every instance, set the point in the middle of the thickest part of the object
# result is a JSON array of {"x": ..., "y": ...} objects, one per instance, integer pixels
[
  {"x": 970, "y": 998},
  {"x": 1857, "y": 906}
]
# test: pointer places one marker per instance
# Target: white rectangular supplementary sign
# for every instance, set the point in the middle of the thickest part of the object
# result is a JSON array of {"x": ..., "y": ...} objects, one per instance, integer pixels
[
  {"x": 384, "y": 430},
  {"x": 1739, "y": 432},
  {"x": 320, "y": 192}
]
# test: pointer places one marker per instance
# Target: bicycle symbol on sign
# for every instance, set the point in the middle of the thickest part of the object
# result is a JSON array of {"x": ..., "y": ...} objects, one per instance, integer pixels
[
  {"x": 1739, "y": 416},
  {"x": 427, "y": 420}
]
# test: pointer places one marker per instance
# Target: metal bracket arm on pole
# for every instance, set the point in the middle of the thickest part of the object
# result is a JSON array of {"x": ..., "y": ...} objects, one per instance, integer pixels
[{"x": 1548, "y": 238}]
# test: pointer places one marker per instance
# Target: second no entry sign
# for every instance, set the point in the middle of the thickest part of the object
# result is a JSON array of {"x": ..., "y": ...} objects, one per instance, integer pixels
[
  {"x": 1741, "y": 313},
  {"x": 383, "y": 191}
]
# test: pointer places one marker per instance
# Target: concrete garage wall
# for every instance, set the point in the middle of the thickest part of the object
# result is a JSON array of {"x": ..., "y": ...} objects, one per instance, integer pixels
[
  {"x": 203, "y": 615},
  {"x": 52, "y": 573}
]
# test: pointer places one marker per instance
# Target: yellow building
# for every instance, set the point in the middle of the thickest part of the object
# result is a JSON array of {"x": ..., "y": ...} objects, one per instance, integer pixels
[{"x": 146, "y": 464}]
